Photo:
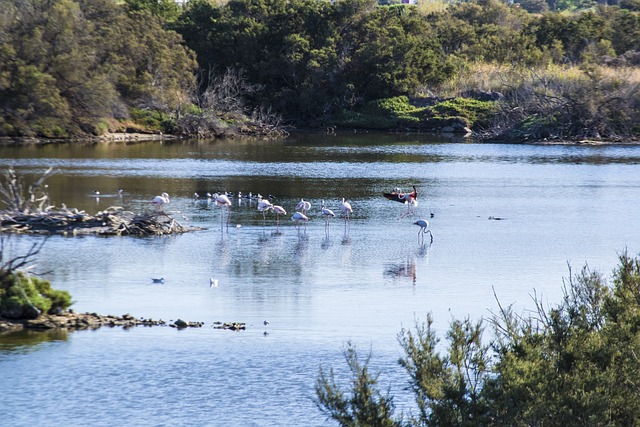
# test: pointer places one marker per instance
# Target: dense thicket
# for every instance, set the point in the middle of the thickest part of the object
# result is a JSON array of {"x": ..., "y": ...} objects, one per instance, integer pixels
[
  {"x": 310, "y": 60},
  {"x": 68, "y": 66},
  {"x": 575, "y": 364}
]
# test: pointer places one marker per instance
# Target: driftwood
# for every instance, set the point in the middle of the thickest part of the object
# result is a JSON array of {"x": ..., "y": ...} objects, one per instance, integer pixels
[
  {"x": 113, "y": 221},
  {"x": 30, "y": 212}
]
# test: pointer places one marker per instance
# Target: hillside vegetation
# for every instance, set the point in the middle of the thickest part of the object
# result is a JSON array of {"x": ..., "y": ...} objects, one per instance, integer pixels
[{"x": 557, "y": 69}]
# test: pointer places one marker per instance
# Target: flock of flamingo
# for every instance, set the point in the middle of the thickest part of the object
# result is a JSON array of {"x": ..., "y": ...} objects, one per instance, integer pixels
[{"x": 301, "y": 215}]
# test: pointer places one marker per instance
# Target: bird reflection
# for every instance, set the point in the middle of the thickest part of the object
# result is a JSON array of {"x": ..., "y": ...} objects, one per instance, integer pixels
[
  {"x": 326, "y": 243},
  {"x": 301, "y": 248},
  {"x": 404, "y": 269}
]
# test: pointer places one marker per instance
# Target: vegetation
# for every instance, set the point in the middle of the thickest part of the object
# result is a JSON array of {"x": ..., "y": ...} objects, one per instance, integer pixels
[
  {"x": 572, "y": 364},
  {"x": 23, "y": 296},
  {"x": 208, "y": 68}
]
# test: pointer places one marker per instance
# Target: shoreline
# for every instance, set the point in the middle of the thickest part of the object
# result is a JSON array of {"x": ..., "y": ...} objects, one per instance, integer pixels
[
  {"x": 72, "y": 321},
  {"x": 125, "y": 137}
]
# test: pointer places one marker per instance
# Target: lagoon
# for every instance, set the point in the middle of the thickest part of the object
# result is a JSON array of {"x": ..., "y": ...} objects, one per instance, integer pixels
[{"x": 508, "y": 221}]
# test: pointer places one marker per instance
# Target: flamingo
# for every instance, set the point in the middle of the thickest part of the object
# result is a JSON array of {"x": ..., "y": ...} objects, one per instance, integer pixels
[
  {"x": 279, "y": 210},
  {"x": 299, "y": 216},
  {"x": 409, "y": 199},
  {"x": 264, "y": 206},
  {"x": 326, "y": 213},
  {"x": 304, "y": 206},
  {"x": 222, "y": 200},
  {"x": 424, "y": 228},
  {"x": 346, "y": 210},
  {"x": 160, "y": 201}
]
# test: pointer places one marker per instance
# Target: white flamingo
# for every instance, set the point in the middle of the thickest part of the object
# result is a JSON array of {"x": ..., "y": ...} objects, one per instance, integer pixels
[
  {"x": 304, "y": 206},
  {"x": 347, "y": 210},
  {"x": 160, "y": 201},
  {"x": 223, "y": 201},
  {"x": 263, "y": 206},
  {"x": 299, "y": 216},
  {"x": 279, "y": 210},
  {"x": 424, "y": 228},
  {"x": 326, "y": 213}
]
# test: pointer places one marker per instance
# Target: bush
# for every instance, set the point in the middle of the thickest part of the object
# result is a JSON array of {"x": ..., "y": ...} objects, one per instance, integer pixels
[
  {"x": 475, "y": 111},
  {"x": 23, "y": 296},
  {"x": 574, "y": 364}
]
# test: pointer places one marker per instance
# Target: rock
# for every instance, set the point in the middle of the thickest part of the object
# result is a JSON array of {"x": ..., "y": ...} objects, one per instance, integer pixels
[{"x": 181, "y": 323}]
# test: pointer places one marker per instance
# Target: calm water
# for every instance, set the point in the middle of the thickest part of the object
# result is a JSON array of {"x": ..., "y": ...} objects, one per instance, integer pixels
[{"x": 318, "y": 287}]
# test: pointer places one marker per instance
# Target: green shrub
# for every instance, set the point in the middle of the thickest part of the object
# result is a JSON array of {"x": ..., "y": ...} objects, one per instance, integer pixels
[
  {"x": 23, "y": 296},
  {"x": 387, "y": 113},
  {"x": 473, "y": 110}
]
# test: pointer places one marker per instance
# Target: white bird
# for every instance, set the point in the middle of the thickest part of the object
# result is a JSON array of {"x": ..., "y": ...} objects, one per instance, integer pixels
[
  {"x": 279, "y": 210},
  {"x": 160, "y": 201},
  {"x": 264, "y": 206},
  {"x": 223, "y": 201},
  {"x": 304, "y": 206},
  {"x": 326, "y": 213},
  {"x": 213, "y": 283},
  {"x": 424, "y": 228},
  {"x": 346, "y": 209},
  {"x": 299, "y": 216}
]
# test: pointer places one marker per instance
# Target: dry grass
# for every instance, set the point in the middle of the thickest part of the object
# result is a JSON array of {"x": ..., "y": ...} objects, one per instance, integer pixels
[{"x": 501, "y": 78}]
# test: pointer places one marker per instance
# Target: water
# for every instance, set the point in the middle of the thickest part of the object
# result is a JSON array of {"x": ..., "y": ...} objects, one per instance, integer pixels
[{"x": 318, "y": 287}]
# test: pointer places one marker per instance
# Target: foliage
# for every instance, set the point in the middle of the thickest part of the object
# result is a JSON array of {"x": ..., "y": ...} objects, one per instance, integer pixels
[
  {"x": 68, "y": 65},
  {"x": 475, "y": 111},
  {"x": 587, "y": 103},
  {"x": 18, "y": 290},
  {"x": 365, "y": 406},
  {"x": 572, "y": 364},
  {"x": 23, "y": 296},
  {"x": 312, "y": 58}
]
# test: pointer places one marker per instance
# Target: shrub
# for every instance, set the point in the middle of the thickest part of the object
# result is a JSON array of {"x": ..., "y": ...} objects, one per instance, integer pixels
[
  {"x": 572, "y": 364},
  {"x": 23, "y": 296}
]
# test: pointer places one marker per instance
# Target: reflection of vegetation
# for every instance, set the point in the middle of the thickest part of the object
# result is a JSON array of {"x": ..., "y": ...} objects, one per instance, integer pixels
[
  {"x": 27, "y": 340},
  {"x": 574, "y": 364}
]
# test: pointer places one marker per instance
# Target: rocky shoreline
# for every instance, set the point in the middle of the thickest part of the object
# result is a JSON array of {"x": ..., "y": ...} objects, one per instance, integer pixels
[{"x": 69, "y": 320}]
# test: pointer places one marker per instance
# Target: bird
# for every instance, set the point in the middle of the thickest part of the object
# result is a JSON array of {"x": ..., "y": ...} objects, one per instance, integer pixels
[
  {"x": 265, "y": 323},
  {"x": 304, "y": 206},
  {"x": 410, "y": 199},
  {"x": 279, "y": 210},
  {"x": 96, "y": 193},
  {"x": 424, "y": 228},
  {"x": 160, "y": 201},
  {"x": 223, "y": 201},
  {"x": 326, "y": 213},
  {"x": 213, "y": 283},
  {"x": 346, "y": 209},
  {"x": 263, "y": 206},
  {"x": 160, "y": 280},
  {"x": 299, "y": 216}
]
